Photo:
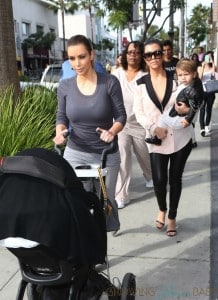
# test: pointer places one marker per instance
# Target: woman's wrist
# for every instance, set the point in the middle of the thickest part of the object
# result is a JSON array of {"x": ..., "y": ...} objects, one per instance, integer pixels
[{"x": 112, "y": 133}]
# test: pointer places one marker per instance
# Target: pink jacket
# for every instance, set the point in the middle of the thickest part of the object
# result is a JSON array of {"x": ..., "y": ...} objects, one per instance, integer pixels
[{"x": 148, "y": 115}]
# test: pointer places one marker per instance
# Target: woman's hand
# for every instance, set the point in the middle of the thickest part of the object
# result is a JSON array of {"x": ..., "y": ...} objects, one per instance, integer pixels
[
  {"x": 105, "y": 135},
  {"x": 184, "y": 123},
  {"x": 60, "y": 137},
  {"x": 160, "y": 132}
]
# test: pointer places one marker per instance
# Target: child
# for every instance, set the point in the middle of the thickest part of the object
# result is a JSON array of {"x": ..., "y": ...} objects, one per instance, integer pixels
[
  {"x": 176, "y": 116},
  {"x": 190, "y": 88},
  {"x": 177, "y": 122},
  {"x": 188, "y": 101}
]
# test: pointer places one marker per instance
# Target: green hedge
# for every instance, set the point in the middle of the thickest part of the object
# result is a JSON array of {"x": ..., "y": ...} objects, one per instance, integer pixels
[{"x": 30, "y": 123}]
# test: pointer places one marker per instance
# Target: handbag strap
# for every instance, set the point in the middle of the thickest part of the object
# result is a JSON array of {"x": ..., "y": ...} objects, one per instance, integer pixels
[
  {"x": 107, "y": 207},
  {"x": 102, "y": 184}
]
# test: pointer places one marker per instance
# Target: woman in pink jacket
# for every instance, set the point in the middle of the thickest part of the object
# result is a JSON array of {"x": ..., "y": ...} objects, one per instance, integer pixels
[{"x": 155, "y": 94}]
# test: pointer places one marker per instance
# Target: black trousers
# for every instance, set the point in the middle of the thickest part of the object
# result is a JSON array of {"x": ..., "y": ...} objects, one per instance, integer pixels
[
  {"x": 206, "y": 109},
  {"x": 159, "y": 166}
]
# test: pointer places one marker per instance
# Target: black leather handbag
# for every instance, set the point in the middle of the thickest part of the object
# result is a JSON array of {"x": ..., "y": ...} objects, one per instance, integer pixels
[{"x": 153, "y": 140}]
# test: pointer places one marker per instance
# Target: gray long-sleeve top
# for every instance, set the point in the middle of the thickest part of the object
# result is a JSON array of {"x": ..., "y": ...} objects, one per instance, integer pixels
[{"x": 85, "y": 113}]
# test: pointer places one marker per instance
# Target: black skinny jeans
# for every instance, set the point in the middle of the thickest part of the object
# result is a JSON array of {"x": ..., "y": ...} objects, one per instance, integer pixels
[
  {"x": 206, "y": 108},
  {"x": 159, "y": 166}
]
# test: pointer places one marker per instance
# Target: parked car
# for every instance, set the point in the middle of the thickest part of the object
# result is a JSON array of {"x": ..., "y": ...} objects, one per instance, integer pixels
[
  {"x": 25, "y": 84},
  {"x": 50, "y": 78}
]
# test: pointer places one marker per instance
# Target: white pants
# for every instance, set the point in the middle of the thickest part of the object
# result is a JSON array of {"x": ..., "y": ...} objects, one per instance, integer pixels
[
  {"x": 76, "y": 158},
  {"x": 127, "y": 143}
]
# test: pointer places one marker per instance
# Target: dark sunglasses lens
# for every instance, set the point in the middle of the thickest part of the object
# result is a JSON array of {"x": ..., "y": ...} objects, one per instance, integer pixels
[
  {"x": 147, "y": 55},
  {"x": 156, "y": 54}
]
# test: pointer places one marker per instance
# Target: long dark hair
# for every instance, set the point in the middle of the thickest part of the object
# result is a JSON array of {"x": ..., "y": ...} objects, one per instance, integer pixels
[
  {"x": 80, "y": 39},
  {"x": 210, "y": 64},
  {"x": 137, "y": 45},
  {"x": 154, "y": 41}
]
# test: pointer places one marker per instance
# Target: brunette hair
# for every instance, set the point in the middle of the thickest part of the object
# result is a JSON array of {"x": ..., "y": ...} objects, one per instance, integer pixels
[
  {"x": 168, "y": 43},
  {"x": 210, "y": 64},
  {"x": 154, "y": 41},
  {"x": 139, "y": 46},
  {"x": 195, "y": 55},
  {"x": 80, "y": 39}
]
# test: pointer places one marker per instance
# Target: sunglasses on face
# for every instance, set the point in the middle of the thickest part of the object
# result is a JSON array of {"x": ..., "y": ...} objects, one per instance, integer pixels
[{"x": 156, "y": 54}]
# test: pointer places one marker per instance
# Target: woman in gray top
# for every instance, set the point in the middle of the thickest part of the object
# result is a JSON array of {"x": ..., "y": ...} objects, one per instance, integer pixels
[{"x": 90, "y": 103}]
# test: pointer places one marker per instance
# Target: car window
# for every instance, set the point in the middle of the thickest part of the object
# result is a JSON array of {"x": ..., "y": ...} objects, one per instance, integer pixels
[{"x": 53, "y": 75}]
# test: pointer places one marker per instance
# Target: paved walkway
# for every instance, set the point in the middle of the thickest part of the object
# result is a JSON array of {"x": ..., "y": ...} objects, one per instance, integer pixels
[{"x": 165, "y": 268}]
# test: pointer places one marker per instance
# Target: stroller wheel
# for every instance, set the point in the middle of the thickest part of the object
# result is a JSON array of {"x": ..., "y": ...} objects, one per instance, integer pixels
[{"x": 128, "y": 287}]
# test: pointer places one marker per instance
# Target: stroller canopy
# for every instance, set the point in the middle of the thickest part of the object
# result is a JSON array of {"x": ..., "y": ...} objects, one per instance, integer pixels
[{"x": 42, "y": 200}]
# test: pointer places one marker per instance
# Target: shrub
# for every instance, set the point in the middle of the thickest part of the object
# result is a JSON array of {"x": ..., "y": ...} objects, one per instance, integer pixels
[{"x": 29, "y": 123}]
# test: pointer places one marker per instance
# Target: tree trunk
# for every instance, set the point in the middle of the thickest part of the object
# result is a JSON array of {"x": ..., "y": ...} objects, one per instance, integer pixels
[
  {"x": 171, "y": 22},
  {"x": 91, "y": 22},
  {"x": 8, "y": 64},
  {"x": 144, "y": 21}
]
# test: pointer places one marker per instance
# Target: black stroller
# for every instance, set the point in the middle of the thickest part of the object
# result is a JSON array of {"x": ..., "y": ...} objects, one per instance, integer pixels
[{"x": 43, "y": 202}]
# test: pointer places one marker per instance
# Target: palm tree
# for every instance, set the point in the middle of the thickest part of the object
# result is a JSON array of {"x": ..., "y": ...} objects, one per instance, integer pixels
[
  {"x": 117, "y": 20},
  {"x": 93, "y": 7},
  {"x": 8, "y": 64},
  {"x": 119, "y": 16},
  {"x": 198, "y": 25},
  {"x": 39, "y": 42},
  {"x": 119, "y": 13},
  {"x": 64, "y": 6}
]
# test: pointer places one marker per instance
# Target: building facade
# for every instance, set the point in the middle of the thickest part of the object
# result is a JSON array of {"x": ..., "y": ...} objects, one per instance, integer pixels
[{"x": 32, "y": 16}]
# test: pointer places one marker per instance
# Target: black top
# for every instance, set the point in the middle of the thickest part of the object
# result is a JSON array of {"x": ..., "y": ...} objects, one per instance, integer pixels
[{"x": 170, "y": 66}]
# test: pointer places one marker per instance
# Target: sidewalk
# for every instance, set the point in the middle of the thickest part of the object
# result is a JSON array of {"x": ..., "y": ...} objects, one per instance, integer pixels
[
  {"x": 168, "y": 268},
  {"x": 165, "y": 268}
]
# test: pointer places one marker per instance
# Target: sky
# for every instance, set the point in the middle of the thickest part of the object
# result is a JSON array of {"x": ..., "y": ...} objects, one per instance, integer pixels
[
  {"x": 165, "y": 10},
  {"x": 177, "y": 16}
]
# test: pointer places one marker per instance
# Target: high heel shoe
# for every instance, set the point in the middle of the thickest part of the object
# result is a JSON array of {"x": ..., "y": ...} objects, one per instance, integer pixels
[
  {"x": 159, "y": 225},
  {"x": 171, "y": 229},
  {"x": 161, "y": 216}
]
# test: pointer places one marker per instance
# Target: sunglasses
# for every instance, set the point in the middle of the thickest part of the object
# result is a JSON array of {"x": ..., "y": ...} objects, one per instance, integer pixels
[
  {"x": 131, "y": 52},
  {"x": 157, "y": 55}
]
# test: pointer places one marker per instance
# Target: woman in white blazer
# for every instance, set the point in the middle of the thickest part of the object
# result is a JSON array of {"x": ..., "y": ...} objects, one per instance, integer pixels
[{"x": 155, "y": 94}]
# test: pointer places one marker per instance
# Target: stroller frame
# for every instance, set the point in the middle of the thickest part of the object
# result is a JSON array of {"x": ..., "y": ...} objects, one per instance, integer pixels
[{"x": 41, "y": 268}]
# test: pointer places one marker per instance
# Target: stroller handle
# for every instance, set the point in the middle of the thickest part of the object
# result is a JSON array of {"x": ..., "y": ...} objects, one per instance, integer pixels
[
  {"x": 56, "y": 147},
  {"x": 66, "y": 133},
  {"x": 112, "y": 147}
]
